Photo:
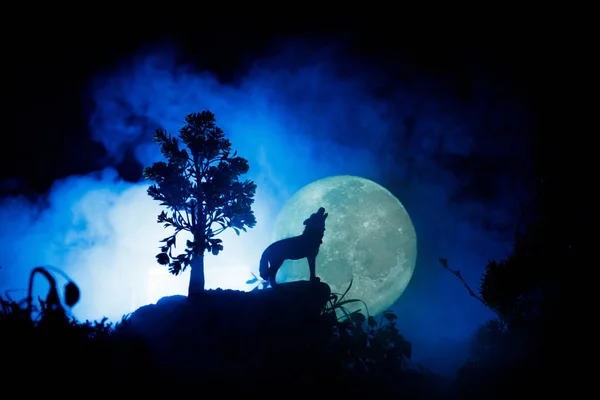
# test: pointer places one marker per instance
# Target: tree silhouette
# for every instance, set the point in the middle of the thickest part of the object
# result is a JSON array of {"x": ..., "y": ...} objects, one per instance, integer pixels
[
  {"x": 200, "y": 188},
  {"x": 525, "y": 290}
]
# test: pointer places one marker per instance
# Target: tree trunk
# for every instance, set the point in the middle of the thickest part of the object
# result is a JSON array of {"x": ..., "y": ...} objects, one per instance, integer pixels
[{"x": 197, "y": 276}]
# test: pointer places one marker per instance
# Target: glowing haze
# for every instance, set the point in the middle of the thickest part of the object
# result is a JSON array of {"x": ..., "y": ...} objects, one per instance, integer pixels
[{"x": 297, "y": 116}]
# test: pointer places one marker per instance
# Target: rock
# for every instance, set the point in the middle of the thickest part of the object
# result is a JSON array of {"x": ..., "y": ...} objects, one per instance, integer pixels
[{"x": 223, "y": 330}]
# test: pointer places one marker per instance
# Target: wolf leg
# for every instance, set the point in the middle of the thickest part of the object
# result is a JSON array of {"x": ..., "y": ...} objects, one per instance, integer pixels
[
  {"x": 273, "y": 268},
  {"x": 312, "y": 269}
]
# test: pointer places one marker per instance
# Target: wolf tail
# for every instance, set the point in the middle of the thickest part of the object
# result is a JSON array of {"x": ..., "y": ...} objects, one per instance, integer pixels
[{"x": 263, "y": 269}]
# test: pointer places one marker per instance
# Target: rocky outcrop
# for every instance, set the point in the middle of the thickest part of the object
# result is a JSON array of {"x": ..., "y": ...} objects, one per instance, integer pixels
[{"x": 222, "y": 331}]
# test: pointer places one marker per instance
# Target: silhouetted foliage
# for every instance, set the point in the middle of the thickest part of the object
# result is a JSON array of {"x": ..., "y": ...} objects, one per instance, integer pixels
[
  {"x": 41, "y": 341},
  {"x": 523, "y": 289},
  {"x": 201, "y": 189},
  {"x": 347, "y": 354},
  {"x": 258, "y": 283},
  {"x": 359, "y": 346}
]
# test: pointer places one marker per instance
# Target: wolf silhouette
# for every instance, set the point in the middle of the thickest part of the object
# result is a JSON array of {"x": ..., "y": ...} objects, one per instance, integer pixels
[{"x": 295, "y": 248}]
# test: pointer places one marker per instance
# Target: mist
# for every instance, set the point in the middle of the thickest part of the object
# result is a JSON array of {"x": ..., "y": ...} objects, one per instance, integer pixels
[{"x": 301, "y": 113}]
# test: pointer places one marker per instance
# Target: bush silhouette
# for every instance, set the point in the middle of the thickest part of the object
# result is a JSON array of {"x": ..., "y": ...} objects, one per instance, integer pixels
[
  {"x": 361, "y": 343},
  {"x": 349, "y": 349}
]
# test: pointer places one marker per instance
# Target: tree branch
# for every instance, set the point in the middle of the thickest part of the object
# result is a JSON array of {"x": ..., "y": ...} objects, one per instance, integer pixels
[
  {"x": 218, "y": 231},
  {"x": 187, "y": 216},
  {"x": 210, "y": 219},
  {"x": 190, "y": 166},
  {"x": 457, "y": 274},
  {"x": 193, "y": 211},
  {"x": 182, "y": 219}
]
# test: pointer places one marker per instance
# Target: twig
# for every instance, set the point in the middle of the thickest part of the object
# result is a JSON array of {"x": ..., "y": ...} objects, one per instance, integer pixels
[{"x": 457, "y": 273}]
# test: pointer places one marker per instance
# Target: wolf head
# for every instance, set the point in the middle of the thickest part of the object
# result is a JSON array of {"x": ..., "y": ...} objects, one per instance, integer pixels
[{"x": 316, "y": 222}]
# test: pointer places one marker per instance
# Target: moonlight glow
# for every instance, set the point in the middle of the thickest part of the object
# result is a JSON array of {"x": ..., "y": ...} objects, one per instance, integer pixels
[{"x": 369, "y": 238}]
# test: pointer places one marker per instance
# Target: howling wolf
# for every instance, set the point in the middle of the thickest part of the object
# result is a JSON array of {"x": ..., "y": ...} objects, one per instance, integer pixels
[{"x": 295, "y": 248}]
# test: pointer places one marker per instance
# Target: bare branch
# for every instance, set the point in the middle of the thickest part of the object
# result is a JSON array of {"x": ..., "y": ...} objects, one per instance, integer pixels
[{"x": 457, "y": 274}]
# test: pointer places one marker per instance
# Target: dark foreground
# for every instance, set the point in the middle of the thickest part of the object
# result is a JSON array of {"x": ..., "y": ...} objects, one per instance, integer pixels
[{"x": 271, "y": 343}]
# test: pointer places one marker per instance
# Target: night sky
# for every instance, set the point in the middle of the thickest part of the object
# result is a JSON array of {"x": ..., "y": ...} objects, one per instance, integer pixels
[{"x": 451, "y": 125}]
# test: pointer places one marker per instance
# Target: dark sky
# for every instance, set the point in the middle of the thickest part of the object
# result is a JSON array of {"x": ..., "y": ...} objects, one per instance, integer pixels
[{"x": 53, "y": 67}]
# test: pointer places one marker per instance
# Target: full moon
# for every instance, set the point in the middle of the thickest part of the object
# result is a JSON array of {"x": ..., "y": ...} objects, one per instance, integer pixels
[{"x": 369, "y": 239}]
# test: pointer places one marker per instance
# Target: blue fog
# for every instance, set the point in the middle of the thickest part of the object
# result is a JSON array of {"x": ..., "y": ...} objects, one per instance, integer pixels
[{"x": 297, "y": 115}]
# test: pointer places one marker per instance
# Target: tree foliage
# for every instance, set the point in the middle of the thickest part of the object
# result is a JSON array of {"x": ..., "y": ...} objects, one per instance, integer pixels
[
  {"x": 523, "y": 289},
  {"x": 200, "y": 189}
]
